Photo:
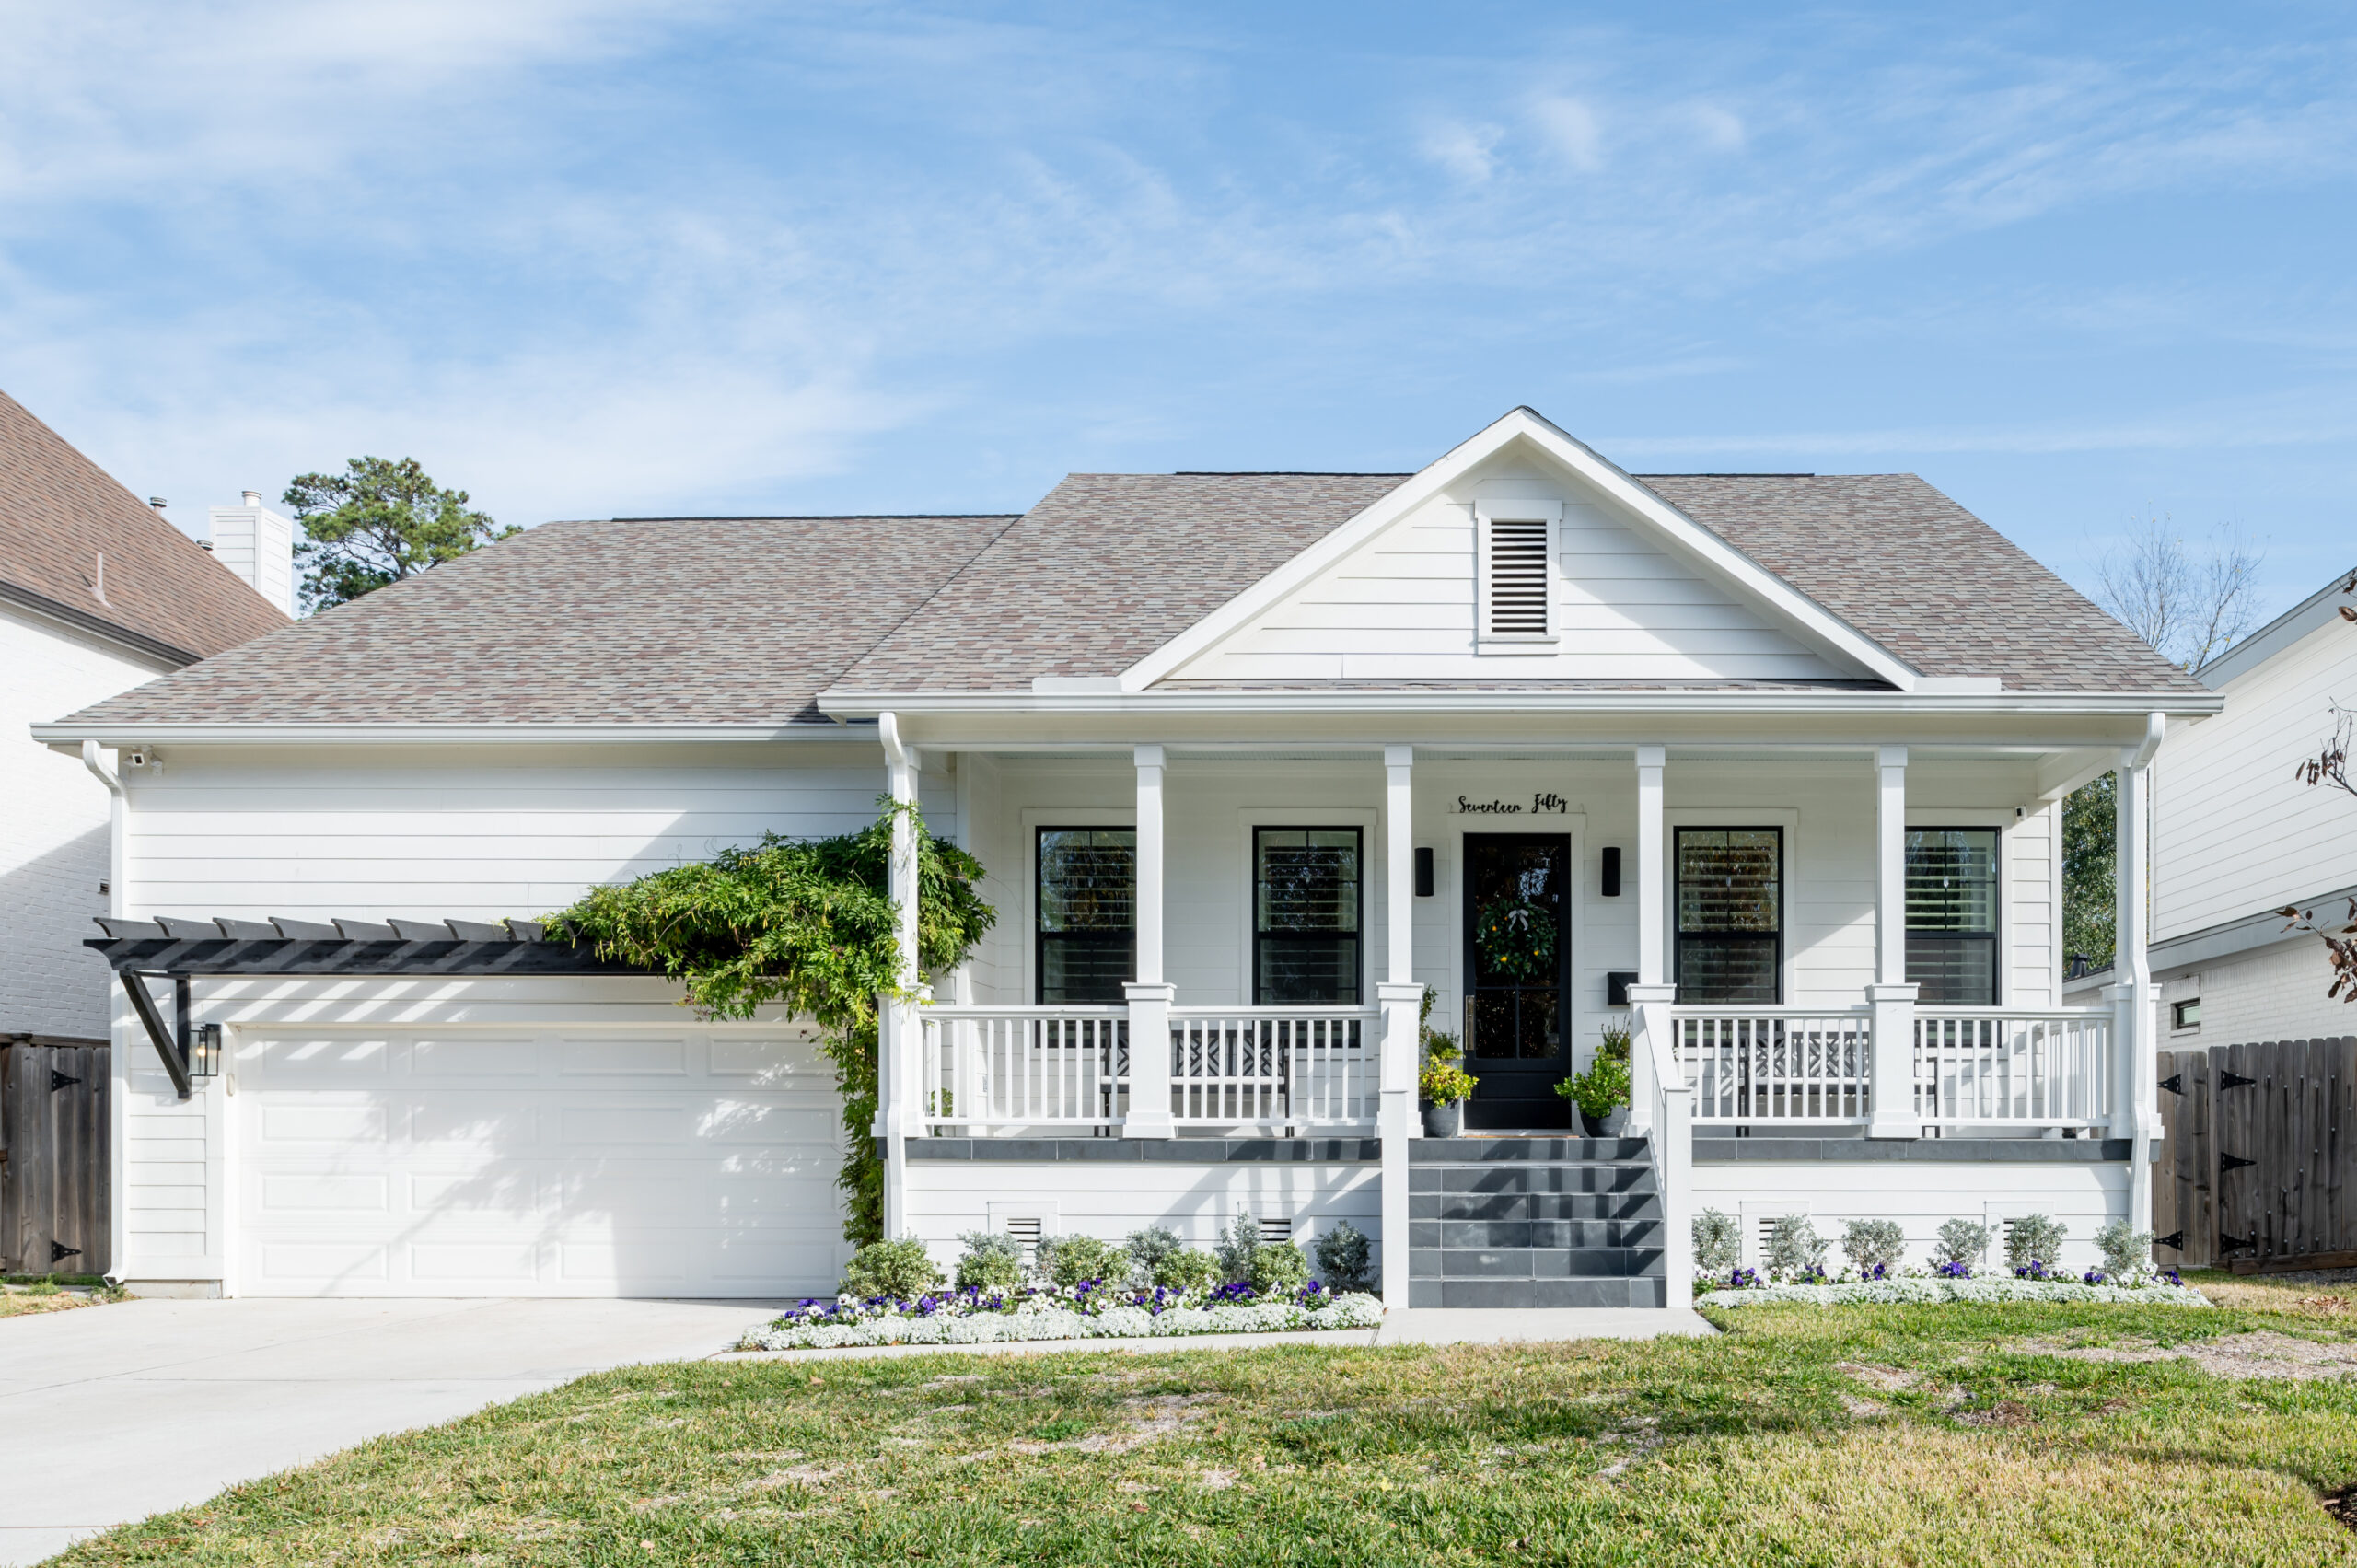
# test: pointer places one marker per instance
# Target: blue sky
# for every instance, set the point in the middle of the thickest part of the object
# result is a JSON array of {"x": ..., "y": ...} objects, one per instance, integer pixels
[{"x": 595, "y": 257}]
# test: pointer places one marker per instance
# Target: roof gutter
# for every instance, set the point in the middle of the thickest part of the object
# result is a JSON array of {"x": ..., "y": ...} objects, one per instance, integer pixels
[
  {"x": 845, "y": 705},
  {"x": 97, "y": 626},
  {"x": 70, "y": 733}
]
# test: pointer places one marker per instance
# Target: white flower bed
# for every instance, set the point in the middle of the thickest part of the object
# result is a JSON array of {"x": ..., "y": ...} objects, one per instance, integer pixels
[
  {"x": 1914, "y": 1289},
  {"x": 1042, "y": 1321}
]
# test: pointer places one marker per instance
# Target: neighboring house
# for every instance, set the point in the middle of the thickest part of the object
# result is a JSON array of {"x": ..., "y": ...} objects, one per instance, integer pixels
[
  {"x": 2237, "y": 837},
  {"x": 97, "y": 594},
  {"x": 1765, "y": 766}
]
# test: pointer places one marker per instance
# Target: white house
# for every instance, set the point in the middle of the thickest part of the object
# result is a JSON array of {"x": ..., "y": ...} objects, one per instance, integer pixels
[
  {"x": 1770, "y": 761},
  {"x": 2236, "y": 837},
  {"x": 97, "y": 594}
]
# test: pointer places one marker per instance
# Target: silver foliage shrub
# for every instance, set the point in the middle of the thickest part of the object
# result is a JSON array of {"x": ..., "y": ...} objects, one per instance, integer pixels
[
  {"x": 2034, "y": 1240},
  {"x": 1235, "y": 1247},
  {"x": 1794, "y": 1247},
  {"x": 1872, "y": 1244},
  {"x": 992, "y": 1260},
  {"x": 1960, "y": 1241},
  {"x": 1718, "y": 1242},
  {"x": 1343, "y": 1259},
  {"x": 1148, "y": 1248},
  {"x": 2127, "y": 1251}
]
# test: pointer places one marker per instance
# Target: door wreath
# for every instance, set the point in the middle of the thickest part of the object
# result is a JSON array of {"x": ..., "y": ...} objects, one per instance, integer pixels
[{"x": 1516, "y": 938}]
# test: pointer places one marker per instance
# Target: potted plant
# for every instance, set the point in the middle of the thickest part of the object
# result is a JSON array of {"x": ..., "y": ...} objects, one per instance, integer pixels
[
  {"x": 1444, "y": 1085},
  {"x": 1602, "y": 1092}
]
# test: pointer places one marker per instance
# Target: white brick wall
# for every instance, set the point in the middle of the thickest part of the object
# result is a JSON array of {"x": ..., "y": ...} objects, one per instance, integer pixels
[
  {"x": 53, "y": 828},
  {"x": 2274, "y": 993}
]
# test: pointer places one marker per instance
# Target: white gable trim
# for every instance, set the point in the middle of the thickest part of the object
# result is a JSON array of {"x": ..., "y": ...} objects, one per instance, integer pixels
[{"x": 1680, "y": 530}]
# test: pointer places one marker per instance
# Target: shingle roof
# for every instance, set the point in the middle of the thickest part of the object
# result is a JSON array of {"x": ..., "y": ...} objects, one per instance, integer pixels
[
  {"x": 1104, "y": 570},
  {"x": 746, "y": 620},
  {"x": 1923, "y": 578},
  {"x": 60, "y": 513},
  {"x": 657, "y": 621}
]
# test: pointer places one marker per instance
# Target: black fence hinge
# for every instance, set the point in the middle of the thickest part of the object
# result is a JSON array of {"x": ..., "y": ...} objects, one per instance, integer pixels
[
  {"x": 2235, "y": 1243},
  {"x": 59, "y": 1251},
  {"x": 2174, "y": 1239},
  {"x": 2227, "y": 1080},
  {"x": 58, "y": 1080},
  {"x": 2232, "y": 1162},
  {"x": 2174, "y": 1082}
]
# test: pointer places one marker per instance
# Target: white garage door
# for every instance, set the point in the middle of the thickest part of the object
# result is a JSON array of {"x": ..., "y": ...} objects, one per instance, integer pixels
[{"x": 535, "y": 1162}]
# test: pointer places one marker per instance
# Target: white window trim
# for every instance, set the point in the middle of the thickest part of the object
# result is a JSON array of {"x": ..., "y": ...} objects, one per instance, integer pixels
[
  {"x": 1033, "y": 819},
  {"x": 1374, "y": 884},
  {"x": 1510, "y": 509}
]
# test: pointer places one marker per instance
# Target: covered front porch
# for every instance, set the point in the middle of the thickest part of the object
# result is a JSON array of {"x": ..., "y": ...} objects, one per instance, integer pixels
[{"x": 1826, "y": 941}]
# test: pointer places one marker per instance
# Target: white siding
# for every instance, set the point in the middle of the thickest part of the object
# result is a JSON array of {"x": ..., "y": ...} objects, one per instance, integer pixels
[
  {"x": 1402, "y": 606},
  {"x": 1920, "y": 1196},
  {"x": 54, "y": 819},
  {"x": 2234, "y": 832}
]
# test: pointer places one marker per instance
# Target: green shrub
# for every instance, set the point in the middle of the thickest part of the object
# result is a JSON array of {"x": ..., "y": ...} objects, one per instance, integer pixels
[
  {"x": 1069, "y": 1260},
  {"x": 902, "y": 1269},
  {"x": 1794, "y": 1247},
  {"x": 1718, "y": 1243},
  {"x": 1873, "y": 1244},
  {"x": 2127, "y": 1251},
  {"x": 1343, "y": 1257},
  {"x": 1235, "y": 1245},
  {"x": 1276, "y": 1266},
  {"x": 992, "y": 1261},
  {"x": 1188, "y": 1269},
  {"x": 1148, "y": 1248},
  {"x": 2033, "y": 1240},
  {"x": 1602, "y": 1089},
  {"x": 1961, "y": 1241}
]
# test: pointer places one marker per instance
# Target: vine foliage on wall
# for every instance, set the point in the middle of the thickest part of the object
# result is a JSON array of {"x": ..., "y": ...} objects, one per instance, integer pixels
[{"x": 808, "y": 925}]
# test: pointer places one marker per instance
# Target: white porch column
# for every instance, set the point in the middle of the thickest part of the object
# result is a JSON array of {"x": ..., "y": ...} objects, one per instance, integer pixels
[
  {"x": 2132, "y": 998},
  {"x": 1891, "y": 1074},
  {"x": 898, "y": 1041},
  {"x": 1149, "y": 996},
  {"x": 1401, "y": 998},
  {"x": 1649, "y": 999}
]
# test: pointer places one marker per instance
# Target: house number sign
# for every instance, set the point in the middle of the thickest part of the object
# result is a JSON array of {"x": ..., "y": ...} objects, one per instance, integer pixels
[{"x": 1543, "y": 803}]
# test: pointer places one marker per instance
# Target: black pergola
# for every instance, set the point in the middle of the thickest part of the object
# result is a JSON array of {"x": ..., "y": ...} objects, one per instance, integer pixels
[{"x": 182, "y": 958}]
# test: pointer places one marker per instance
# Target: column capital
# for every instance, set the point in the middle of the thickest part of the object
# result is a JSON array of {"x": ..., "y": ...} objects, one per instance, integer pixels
[
  {"x": 1891, "y": 756},
  {"x": 1391, "y": 993},
  {"x": 1643, "y": 995},
  {"x": 1653, "y": 756},
  {"x": 1160, "y": 991},
  {"x": 1398, "y": 756},
  {"x": 1149, "y": 756}
]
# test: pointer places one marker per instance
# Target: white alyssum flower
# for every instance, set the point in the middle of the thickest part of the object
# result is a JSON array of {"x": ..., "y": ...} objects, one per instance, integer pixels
[
  {"x": 1039, "y": 1320},
  {"x": 1915, "y": 1289}
]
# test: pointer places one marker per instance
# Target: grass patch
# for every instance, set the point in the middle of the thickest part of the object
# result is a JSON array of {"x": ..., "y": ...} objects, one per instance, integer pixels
[
  {"x": 2330, "y": 1294},
  {"x": 22, "y": 1298},
  {"x": 1859, "y": 1435}
]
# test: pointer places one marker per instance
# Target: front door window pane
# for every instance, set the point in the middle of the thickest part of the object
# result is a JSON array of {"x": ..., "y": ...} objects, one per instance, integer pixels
[
  {"x": 1730, "y": 914},
  {"x": 1305, "y": 901},
  {"x": 1088, "y": 898}
]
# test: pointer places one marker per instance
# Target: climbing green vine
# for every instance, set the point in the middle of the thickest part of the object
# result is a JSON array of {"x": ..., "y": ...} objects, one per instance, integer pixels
[{"x": 808, "y": 925}]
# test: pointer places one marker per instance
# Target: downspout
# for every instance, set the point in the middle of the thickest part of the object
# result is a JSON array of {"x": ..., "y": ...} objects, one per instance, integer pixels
[
  {"x": 2134, "y": 963},
  {"x": 896, "y": 1049}
]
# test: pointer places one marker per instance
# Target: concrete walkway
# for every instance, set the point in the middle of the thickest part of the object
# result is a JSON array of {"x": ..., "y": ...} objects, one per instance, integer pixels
[{"x": 111, "y": 1413}]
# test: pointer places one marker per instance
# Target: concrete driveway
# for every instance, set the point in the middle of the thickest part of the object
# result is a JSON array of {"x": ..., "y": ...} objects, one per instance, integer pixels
[{"x": 112, "y": 1414}]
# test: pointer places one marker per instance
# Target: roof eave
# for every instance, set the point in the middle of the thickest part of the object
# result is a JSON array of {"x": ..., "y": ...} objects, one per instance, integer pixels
[
  {"x": 140, "y": 732},
  {"x": 849, "y": 704}
]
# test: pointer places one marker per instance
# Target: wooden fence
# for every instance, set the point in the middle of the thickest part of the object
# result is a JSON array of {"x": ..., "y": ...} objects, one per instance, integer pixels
[
  {"x": 55, "y": 1180},
  {"x": 2261, "y": 1147}
]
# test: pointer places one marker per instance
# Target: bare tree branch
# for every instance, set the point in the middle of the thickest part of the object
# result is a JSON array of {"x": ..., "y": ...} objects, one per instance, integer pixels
[{"x": 2189, "y": 610}]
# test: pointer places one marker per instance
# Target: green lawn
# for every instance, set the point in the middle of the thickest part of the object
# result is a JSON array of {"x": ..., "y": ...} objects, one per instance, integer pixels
[
  {"x": 20, "y": 1298},
  {"x": 1933, "y": 1435}
]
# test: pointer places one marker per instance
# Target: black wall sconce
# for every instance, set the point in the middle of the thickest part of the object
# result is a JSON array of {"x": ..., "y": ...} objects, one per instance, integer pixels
[
  {"x": 1424, "y": 872},
  {"x": 1612, "y": 871}
]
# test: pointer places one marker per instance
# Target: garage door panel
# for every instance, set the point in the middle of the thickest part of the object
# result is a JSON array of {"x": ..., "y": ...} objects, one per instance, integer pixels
[
  {"x": 472, "y": 1059},
  {"x": 534, "y": 1160},
  {"x": 623, "y": 1057}
]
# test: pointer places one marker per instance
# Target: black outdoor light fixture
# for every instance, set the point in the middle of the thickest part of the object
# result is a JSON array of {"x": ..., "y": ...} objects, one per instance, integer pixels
[
  {"x": 1611, "y": 871},
  {"x": 204, "y": 1052},
  {"x": 1423, "y": 871}
]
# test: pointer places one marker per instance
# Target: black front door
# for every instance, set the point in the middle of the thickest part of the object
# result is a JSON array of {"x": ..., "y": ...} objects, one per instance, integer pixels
[{"x": 1517, "y": 969}]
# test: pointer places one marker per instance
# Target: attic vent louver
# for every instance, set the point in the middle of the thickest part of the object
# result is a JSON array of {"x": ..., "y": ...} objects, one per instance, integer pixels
[{"x": 1518, "y": 578}]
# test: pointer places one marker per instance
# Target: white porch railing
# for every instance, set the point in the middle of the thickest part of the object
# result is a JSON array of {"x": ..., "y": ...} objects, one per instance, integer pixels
[
  {"x": 1751, "y": 1064},
  {"x": 1275, "y": 1068},
  {"x": 1996, "y": 1066},
  {"x": 996, "y": 1071}
]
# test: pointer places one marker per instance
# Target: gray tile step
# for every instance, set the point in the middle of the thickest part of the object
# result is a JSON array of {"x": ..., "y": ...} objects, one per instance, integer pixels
[
  {"x": 1531, "y": 1262},
  {"x": 1635, "y": 1204},
  {"x": 1648, "y": 1292},
  {"x": 1530, "y": 1179},
  {"x": 1555, "y": 1234},
  {"x": 1495, "y": 1151}
]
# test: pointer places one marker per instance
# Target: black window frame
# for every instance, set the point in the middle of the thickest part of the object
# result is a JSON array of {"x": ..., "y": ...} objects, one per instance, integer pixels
[
  {"x": 1679, "y": 935},
  {"x": 1356, "y": 937},
  {"x": 1992, "y": 938},
  {"x": 1041, "y": 936}
]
